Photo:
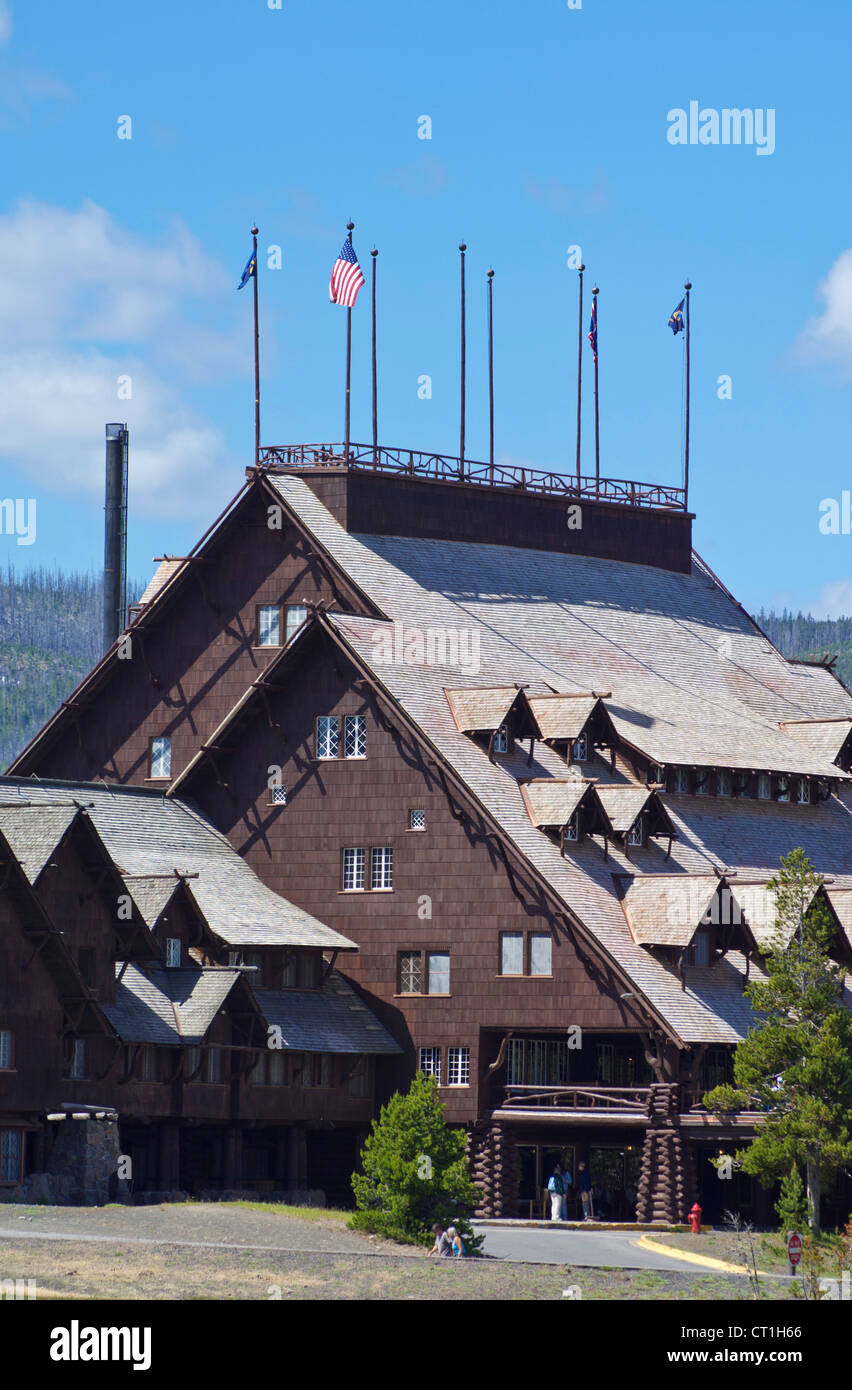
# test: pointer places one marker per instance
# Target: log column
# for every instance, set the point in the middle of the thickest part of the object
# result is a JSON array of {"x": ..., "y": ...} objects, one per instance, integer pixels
[{"x": 667, "y": 1186}]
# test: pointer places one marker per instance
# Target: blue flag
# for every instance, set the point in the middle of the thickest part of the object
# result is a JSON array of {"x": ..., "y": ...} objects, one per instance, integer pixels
[
  {"x": 250, "y": 270},
  {"x": 593, "y": 330},
  {"x": 676, "y": 320}
]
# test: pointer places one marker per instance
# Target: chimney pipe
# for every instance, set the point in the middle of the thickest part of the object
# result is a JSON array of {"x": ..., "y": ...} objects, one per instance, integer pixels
[{"x": 115, "y": 534}]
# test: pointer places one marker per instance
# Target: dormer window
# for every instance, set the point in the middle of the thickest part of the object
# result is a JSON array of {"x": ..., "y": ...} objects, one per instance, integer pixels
[
  {"x": 723, "y": 783},
  {"x": 704, "y": 784},
  {"x": 580, "y": 749},
  {"x": 173, "y": 946},
  {"x": 682, "y": 780},
  {"x": 161, "y": 757},
  {"x": 501, "y": 740},
  {"x": 764, "y": 787},
  {"x": 572, "y": 828},
  {"x": 783, "y": 792},
  {"x": 701, "y": 948},
  {"x": 803, "y": 791},
  {"x": 657, "y": 774},
  {"x": 636, "y": 833}
]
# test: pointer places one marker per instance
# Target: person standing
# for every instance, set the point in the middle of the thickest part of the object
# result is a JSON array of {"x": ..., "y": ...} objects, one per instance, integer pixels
[
  {"x": 584, "y": 1187},
  {"x": 556, "y": 1189}
]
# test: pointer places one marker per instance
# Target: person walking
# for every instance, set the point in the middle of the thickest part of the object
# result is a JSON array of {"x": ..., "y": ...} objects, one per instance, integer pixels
[
  {"x": 457, "y": 1244},
  {"x": 556, "y": 1189},
  {"x": 443, "y": 1244}
]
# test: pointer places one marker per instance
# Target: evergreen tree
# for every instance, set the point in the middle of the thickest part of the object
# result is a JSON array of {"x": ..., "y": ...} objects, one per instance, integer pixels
[
  {"x": 795, "y": 1065},
  {"x": 414, "y": 1169}
]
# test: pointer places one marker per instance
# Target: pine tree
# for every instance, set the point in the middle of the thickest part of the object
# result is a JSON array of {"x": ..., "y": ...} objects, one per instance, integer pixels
[{"x": 795, "y": 1065}]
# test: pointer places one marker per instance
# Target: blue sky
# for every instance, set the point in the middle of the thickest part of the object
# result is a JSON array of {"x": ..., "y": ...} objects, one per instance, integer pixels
[{"x": 549, "y": 130}]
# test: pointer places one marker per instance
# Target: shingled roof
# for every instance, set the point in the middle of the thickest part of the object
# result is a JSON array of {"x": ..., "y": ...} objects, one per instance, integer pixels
[
  {"x": 148, "y": 835},
  {"x": 168, "y": 1006},
  {"x": 331, "y": 1019},
  {"x": 691, "y": 679}
]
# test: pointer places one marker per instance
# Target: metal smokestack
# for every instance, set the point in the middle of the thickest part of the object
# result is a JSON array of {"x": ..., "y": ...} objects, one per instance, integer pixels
[{"x": 115, "y": 534}]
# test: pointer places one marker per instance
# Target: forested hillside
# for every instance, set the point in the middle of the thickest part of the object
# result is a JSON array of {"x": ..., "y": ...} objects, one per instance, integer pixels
[
  {"x": 51, "y": 634},
  {"x": 798, "y": 634},
  {"x": 51, "y": 629}
]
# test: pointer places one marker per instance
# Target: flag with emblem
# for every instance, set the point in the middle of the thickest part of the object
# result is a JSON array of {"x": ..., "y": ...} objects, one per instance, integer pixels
[
  {"x": 250, "y": 270},
  {"x": 346, "y": 278},
  {"x": 676, "y": 320}
]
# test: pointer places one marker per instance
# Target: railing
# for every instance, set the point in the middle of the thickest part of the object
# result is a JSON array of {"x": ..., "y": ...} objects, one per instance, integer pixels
[
  {"x": 445, "y": 467},
  {"x": 579, "y": 1097}
]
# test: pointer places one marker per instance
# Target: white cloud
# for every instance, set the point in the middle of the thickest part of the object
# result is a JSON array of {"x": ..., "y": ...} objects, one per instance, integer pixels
[
  {"x": 828, "y": 336},
  {"x": 5, "y": 22},
  {"x": 85, "y": 302},
  {"x": 833, "y": 601}
]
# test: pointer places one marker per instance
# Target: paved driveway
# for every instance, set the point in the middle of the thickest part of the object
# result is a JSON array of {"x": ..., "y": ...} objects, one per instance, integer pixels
[{"x": 617, "y": 1249}]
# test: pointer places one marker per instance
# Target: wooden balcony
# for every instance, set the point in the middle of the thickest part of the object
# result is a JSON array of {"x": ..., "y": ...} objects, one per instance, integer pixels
[{"x": 614, "y": 1105}]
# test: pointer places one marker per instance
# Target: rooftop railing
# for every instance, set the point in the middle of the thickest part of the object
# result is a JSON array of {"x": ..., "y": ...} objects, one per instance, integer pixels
[{"x": 446, "y": 468}]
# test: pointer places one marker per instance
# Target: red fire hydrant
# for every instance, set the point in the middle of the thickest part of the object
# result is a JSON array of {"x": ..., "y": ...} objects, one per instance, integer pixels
[{"x": 695, "y": 1220}]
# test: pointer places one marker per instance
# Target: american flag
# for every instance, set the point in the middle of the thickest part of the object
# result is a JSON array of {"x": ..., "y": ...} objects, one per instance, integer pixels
[{"x": 346, "y": 278}]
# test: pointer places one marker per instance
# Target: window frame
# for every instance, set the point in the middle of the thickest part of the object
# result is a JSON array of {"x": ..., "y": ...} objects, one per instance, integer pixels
[
  {"x": 171, "y": 942},
  {"x": 503, "y": 734},
  {"x": 511, "y": 974},
  {"x": 357, "y": 720},
  {"x": 332, "y": 721},
  {"x": 541, "y": 974},
  {"x": 10, "y": 1034},
  {"x": 165, "y": 739},
  {"x": 462, "y": 1064},
  {"x": 434, "y": 1060},
  {"x": 290, "y": 608},
  {"x": 416, "y": 811},
  {"x": 19, "y": 1135},
  {"x": 764, "y": 781},
  {"x": 263, "y": 608},
  {"x": 361, "y": 860},
  {"x": 803, "y": 784},
  {"x": 381, "y": 857},
  {"x": 581, "y": 741}
]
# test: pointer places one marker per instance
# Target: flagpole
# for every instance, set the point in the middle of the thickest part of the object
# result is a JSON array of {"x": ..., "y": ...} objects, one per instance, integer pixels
[
  {"x": 687, "y": 286},
  {"x": 254, "y": 232},
  {"x": 462, "y": 249},
  {"x": 595, "y": 293},
  {"x": 349, "y": 228},
  {"x": 491, "y": 369},
  {"x": 374, "y": 253},
  {"x": 579, "y": 372}
]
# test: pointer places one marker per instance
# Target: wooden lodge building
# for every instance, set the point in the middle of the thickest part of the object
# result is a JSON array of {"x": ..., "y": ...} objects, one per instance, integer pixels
[{"x": 423, "y": 764}]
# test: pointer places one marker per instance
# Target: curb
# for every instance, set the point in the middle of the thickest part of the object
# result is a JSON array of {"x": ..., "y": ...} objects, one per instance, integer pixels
[{"x": 706, "y": 1261}]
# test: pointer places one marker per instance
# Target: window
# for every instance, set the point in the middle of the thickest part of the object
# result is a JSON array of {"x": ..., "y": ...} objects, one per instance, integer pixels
[
  {"x": 572, "y": 828},
  {"x": 308, "y": 967},
  {"x": 278, "y": 796},
  {"x": 417, "y": 820},
  {"x": 411, "y": 972},
  {"x": 536, "y": 1062},
  {"x": 289, "y": 971},
  {"x": 701, "y": 948},
  {"x": 78, "y": 1060},
  {"x": 606, "y": 1061},
  {"x": 723, "y": 783},
  {"x": 353, "y": 870},
  {"x": 704, "y": 783},
  {"x": 354, "y": 736},
  {"x": 173, "y": 948},
  {"x": 458, "y": 1066},
  {"x": 6, "y": 1049},
  {"x": 359, "y": 1080},
  {"x": 439, "y": 972},
  {"x": 192, "y": 1062},
  {"x": 316, "y": 1069},
  {"x": 541, "y": 953},
  {"x": 276, "y": 1067},
  {"x": 681, "y": 780},
  {"x": 148, "y": 1065},
  {"x": 580, "y": 749},
  {"x": 636, "y": 833},
  {"x": 803, "y": 791},
  {"x": 269, "y": 625},
  {"x": 328, "y": 736},
  {"x": 657, "y": 774},
  {"x": 783, "y": 789},
  {"x": 501, "y": 741},
  {"x": 429, "y": 1062},
  {"x": 11, "y": 1153},
  {"x": 212, "y": 1072},
  {"x": 295, "y": 615},
  {"x": 381, "y": 868},
  {"x": 764, "y": 787},
  {"x": 512, "y": 953},
  {"x": 161, "y": 757}
]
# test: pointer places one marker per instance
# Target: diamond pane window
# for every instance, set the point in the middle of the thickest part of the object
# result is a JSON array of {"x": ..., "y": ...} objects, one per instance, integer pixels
[
  {"x": 580, "y": 749},
  {"x": 682, "y": 780},
  {"x": 410, "y": 972},
  {"x": 173, "y": 952},
  {"x": 704, "y": 784},
  {"x": 295, "y": 615},
  {"x": 541, "y": 953},
  {"x": 803, "y": 792},
  {"x": 512, "y": 953},
  {"x": 783, "y": 789},
  {"x": 501, "y": 741},
  {"x": 439, "y": 972},
  {"x": 572, "y": 829},
  {"x": 430, "y": 1062},
  {"x": 161, "y": 757},
  {"x": 328, "y": 736},
  {"x": 764, "y": 787},
  {"x": 355, "y": 736},
  {"x": 353, "y": 870},
  {"x": 269, "y": 625},
  {"x": 723, "y": 783},
  {"x": 278, "y": 796},
  {"x": 381, "y": 868},
  {"x": 417, "y": 820},
  {"x": 458, "y": 1066},
  {"x": 635, "y": 833}
]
